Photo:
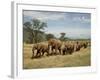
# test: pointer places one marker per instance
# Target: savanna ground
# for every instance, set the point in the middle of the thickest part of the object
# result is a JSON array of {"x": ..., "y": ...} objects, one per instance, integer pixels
[{"x": 80, "y": 58}]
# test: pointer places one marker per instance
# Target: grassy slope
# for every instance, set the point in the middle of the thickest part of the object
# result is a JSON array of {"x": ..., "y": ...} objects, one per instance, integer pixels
[{"x": 81, "y": 58}]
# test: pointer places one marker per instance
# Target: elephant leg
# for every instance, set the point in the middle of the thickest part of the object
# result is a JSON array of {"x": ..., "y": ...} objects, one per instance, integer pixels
[
  {"x": 38, "y": 54},
  {"x": 33, "y": 54},
  {"x": 55, "y": 53},
  {"x": 63, "y": 52},
  {"x": 59, "y": 51},
  {"x": 42, "y": 53},
  {"x": 47, "y": 52}
]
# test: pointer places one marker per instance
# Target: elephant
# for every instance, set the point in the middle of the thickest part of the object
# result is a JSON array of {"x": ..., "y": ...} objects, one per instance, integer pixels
[
  {"x": 55, "y": 44},
  {"x": 40, "y": 48}
]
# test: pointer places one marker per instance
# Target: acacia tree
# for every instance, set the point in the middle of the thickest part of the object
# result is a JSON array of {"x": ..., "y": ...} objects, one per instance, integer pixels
[
  {"x": 37, "y": 26},
  {"x": 50, "y": 36},
  {"x": 62, "y": 36},
  {"x": 27, "y": 29},
  {"x": 34, "y": 28}
]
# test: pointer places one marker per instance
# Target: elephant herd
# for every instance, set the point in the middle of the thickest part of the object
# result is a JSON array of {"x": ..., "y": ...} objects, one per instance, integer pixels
[{"x": 57, "y": 47}]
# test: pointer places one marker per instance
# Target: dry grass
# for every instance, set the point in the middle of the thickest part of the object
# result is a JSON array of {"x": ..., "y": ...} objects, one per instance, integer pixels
[{"x": 80, "y": 58}]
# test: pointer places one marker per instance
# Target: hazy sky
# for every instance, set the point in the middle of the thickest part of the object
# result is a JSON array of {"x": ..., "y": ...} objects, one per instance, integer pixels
[{"x": 75, "y": 25}]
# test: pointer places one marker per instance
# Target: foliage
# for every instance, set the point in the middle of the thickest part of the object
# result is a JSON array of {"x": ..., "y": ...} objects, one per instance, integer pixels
[
  {"x": 27, "y": 33},
  {"x": 50, "y": 36},
  {"x": 32, "y": 31},
  {"x": 37, "y": 26},
  {"x": 62, "y": 38}
]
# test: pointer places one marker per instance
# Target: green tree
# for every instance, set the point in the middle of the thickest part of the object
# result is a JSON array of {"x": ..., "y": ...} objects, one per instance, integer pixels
[
  {"x": 37, "y": 26},
  {"x": 34, "y": 30},
  {"x": 28, "y": 32},
  {"x": 62, "y": 36},
  {"x": 50, "y": 36}
]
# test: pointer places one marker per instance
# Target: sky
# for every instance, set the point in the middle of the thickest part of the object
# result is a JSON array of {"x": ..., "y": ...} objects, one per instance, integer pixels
[{"x": 75, "y": 25}]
